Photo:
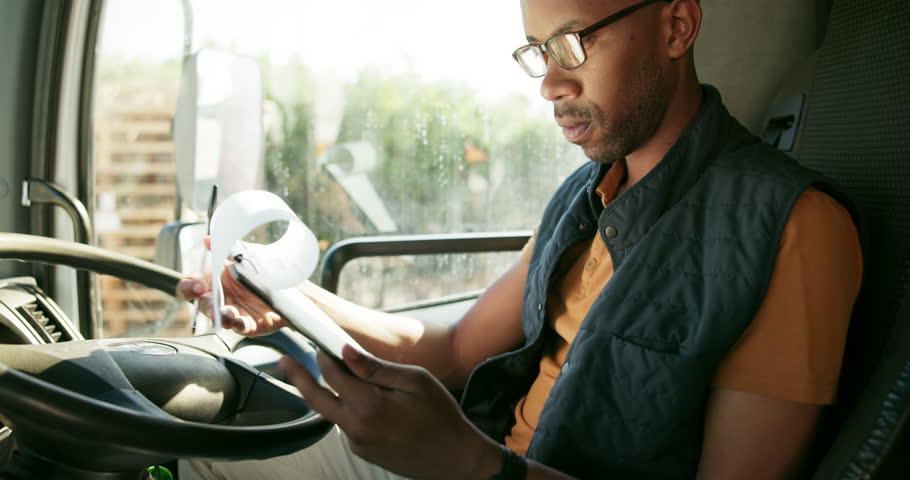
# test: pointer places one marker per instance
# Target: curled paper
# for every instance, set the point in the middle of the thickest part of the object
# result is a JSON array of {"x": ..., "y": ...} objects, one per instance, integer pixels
[{"x": 284, "y": 263}]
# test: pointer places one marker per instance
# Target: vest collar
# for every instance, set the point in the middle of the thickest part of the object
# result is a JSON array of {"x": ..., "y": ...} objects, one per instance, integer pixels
[{"x": 629, "y": 216}]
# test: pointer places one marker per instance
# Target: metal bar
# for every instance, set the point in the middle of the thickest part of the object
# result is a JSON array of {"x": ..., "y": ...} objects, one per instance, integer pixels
[
  {"x": 352, "y": 248},
  {"x": 36, "y": 191},
  {"x": 43, "y": 192}
]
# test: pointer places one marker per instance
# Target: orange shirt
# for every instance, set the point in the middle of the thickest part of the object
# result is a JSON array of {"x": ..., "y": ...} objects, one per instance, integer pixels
[{"x": 792, "y": 350}]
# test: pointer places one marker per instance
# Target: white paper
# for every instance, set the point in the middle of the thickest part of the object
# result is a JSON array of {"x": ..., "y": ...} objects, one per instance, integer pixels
[
  {"x": 288, "y": 261},
  {"x": 276, "y": 268}
]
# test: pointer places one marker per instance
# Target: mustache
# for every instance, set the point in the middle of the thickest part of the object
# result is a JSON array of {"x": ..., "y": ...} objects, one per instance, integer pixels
[{"x": 566, "y": 110}]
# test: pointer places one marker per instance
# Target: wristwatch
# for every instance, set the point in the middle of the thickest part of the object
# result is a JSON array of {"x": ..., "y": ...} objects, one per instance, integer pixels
[{"x": 514, "y": 466}]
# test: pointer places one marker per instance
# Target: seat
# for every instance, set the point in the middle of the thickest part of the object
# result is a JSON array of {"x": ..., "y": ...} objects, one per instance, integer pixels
[{"x": 855, "y": 128}]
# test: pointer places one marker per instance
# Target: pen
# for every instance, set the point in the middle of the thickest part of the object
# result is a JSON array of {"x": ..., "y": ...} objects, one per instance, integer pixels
[{"x": 213, "y": 198}]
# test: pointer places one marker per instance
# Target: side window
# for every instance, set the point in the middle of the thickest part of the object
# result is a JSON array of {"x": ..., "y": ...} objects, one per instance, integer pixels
[
  {"x": 138, "y": 60},
  {"x": 420, "y": 122},
  {"x": 380, "y": 118}
]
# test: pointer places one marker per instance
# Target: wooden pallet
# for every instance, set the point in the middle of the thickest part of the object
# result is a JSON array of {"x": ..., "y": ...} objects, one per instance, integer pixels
[{"x": 135, "y": 170}]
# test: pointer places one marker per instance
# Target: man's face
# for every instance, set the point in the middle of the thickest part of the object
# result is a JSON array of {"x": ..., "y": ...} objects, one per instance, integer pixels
[{"x": 613, "y": 103}]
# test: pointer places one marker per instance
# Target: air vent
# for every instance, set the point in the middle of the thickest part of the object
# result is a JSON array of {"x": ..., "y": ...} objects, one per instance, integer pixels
[
  {"x": 35, "y": 314},
  {"x": 30, "y": 316}
]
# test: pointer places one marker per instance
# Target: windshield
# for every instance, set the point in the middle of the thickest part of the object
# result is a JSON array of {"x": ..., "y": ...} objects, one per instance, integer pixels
[{"x": 379, "y": 118}]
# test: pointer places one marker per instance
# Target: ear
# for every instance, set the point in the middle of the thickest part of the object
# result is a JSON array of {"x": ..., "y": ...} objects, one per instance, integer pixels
[{"x": 684, "y": 21}]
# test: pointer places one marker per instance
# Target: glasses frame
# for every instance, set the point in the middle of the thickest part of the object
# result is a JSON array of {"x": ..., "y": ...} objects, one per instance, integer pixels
[{"x": 544, "y": 52}]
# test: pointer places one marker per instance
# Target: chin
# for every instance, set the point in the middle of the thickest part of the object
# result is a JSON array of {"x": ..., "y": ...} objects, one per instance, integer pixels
[{"x": 603, "y": 154}]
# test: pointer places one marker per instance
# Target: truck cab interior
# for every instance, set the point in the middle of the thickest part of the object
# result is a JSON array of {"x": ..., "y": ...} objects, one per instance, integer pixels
[{"x": 89, "y": 392}]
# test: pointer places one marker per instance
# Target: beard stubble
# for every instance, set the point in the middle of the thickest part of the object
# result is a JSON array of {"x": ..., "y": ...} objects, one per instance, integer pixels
[{"x": 633, "y": 122}]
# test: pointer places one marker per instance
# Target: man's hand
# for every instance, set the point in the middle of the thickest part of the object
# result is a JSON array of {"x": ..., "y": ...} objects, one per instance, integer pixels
[
  {"x": 397, "y": 416},
  {"x": 244, "y": 312}
]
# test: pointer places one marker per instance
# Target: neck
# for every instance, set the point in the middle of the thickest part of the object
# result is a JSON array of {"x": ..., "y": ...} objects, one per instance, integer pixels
[{"x": 684, "y": 104}]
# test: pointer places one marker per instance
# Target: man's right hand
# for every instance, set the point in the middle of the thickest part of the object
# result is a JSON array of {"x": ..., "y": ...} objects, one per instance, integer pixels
[{"x": 244, "y": 312}]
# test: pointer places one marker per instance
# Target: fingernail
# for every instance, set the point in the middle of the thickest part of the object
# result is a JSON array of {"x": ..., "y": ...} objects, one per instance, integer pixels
[{"x": 198, "y": 287}]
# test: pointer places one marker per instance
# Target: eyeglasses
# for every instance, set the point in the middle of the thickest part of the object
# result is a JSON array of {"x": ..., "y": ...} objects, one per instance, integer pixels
[{"x": 566, "y": 48}]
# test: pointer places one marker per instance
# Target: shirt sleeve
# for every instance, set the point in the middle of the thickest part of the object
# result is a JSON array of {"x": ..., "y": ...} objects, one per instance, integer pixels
[{"x": 794, "y": 346}]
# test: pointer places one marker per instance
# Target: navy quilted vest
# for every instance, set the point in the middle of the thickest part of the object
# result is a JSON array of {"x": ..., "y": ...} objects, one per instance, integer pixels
[{"x": 693, "y": 246}]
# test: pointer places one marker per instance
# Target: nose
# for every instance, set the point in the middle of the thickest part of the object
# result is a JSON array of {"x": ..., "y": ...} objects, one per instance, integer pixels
[{"x": 558, "y": 83}]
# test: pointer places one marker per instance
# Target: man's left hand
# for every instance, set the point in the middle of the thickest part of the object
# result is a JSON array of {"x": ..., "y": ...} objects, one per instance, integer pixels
[{"x": 397, "y": 416}]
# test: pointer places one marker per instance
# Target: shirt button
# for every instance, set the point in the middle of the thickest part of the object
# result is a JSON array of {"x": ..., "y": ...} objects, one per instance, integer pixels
[
  {"x": 539, "y": 307},
  {"x": 611, "y": 232},
  {"x": 592, "y": 263},
  {"x": 582, "y": 227}
]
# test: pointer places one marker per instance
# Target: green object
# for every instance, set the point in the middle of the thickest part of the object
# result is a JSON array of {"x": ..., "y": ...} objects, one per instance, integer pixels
[{"x": 160, "y": 473}]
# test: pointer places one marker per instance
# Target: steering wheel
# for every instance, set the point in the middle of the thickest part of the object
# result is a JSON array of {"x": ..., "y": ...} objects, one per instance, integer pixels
[{"x": 117, "y": 405}]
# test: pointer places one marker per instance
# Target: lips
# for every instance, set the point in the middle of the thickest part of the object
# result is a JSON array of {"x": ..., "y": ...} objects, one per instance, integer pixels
[{"x": 574, "y": 129}]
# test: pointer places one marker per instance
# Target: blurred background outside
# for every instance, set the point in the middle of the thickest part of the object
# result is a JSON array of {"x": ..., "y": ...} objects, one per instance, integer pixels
[{"x": 459, "y": 138}]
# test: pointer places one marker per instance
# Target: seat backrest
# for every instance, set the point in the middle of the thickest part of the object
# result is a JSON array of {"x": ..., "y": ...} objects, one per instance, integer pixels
[
  {"x": 856, "y": 130},
  {"x": 746, "y": 48}
]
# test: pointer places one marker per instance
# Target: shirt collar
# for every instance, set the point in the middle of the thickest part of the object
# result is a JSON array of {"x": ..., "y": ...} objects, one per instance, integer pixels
[{"x": 611, "y": 182}]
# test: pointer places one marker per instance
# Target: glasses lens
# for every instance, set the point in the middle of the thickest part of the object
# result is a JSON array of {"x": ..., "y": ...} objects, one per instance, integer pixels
[
  {"x": 531, "y": 59},
  {"x": 566, "y": 50}
]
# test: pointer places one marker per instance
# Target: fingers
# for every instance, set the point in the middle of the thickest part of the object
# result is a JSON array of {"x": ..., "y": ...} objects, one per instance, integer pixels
[
  {"x": 206, "y": 305},
  {"x": 239, "y": 295},
  {"x": 190, "y": 287},
  {"x": 381, "y": 373},
  {"x": 317, "y": 397},
  {"x": 273, "y": 321},
  {"x": 245, "y": 313},
  {"x": 232, "y": 319},
  {"x": 241, "y": 322},
  {"x": 207, "y": 241}
]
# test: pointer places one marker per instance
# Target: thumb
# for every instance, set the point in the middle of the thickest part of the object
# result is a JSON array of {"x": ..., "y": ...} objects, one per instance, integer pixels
[{"x": 381, "y": 373}]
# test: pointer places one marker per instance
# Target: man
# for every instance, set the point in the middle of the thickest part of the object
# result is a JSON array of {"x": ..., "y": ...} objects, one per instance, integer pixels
[{"x": 680, "y": 312}]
